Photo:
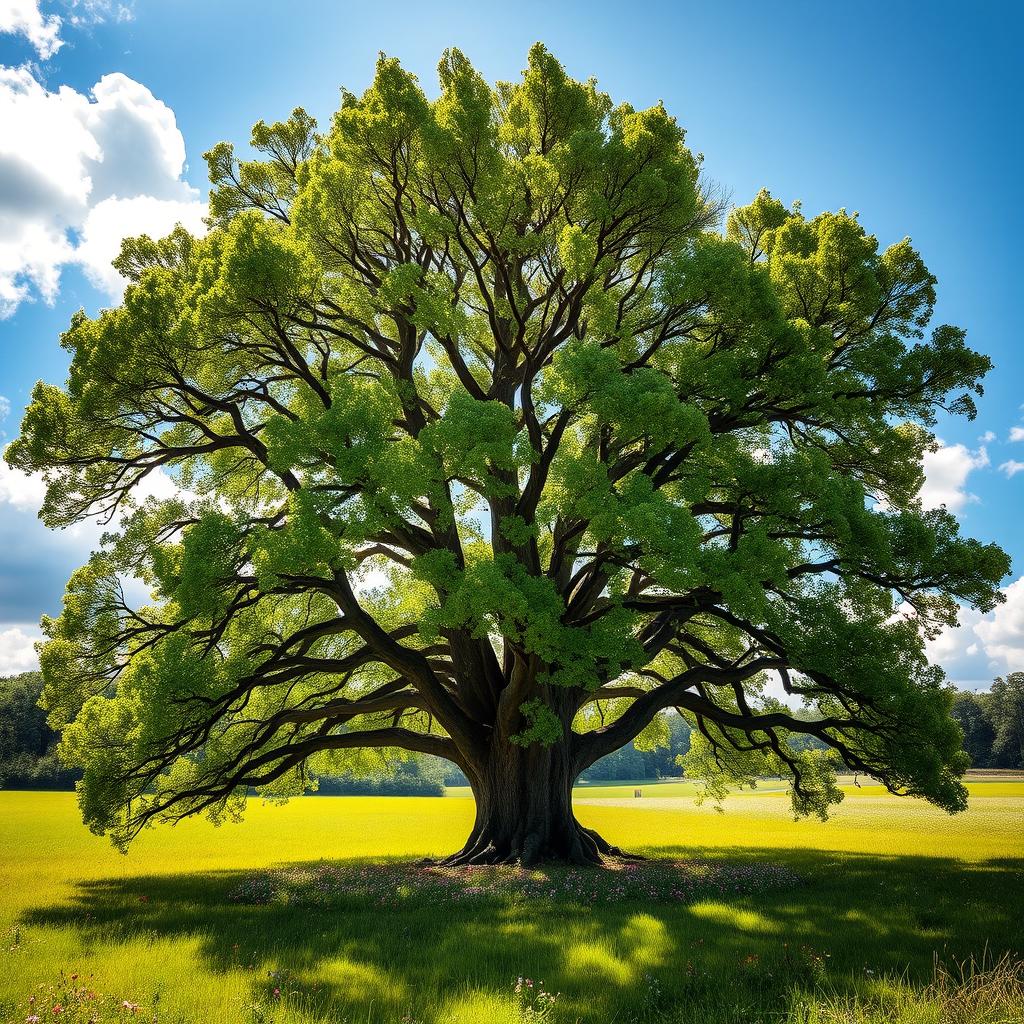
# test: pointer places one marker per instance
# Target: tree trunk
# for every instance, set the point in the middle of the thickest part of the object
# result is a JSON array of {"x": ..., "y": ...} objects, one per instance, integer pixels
[{"x": 524, "y": 811}]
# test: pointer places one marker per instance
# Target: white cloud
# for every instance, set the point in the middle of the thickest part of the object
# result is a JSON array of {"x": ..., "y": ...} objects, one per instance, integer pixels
[
  {"x": 26, "y": 492},
  {"x": 5, "y": 407},
  {"x": 1002, "y": 633},
  {"x": 21, "y": 490},
  {"x": 95, "y": 12},
  {"x": 946, "y": 471},
  {"x": 982, "y": 647},
  {"x": 23, "y": 17},
  {"x": 988, "y": 437},
  {"x": 108, "y": 221},
  {"x": 954, "y": 644},
  {"x": 1017, "y": 433},
  {"x": 17, "y": 650},
  {"x": 1011, "y": 467},
  {"x": 78, "y": 173}
]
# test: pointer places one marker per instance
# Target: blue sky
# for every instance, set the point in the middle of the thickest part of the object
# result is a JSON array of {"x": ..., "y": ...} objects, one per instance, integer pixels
[{"x": 908, "y": 113}]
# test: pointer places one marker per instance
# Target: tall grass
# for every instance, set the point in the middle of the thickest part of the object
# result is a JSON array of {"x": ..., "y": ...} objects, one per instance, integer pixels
[{"x": 971, "y": 992}]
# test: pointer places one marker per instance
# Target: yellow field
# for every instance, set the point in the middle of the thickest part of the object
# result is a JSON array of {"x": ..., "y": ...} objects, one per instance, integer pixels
[{"x": 884, "y": 886}]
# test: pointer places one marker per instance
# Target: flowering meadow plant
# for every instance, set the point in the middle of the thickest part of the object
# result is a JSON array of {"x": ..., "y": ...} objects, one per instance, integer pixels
[{"x": 399, "y": 884}]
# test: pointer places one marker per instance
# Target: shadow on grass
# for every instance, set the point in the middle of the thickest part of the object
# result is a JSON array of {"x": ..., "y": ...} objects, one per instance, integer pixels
[{"x": 850, "y": 920}]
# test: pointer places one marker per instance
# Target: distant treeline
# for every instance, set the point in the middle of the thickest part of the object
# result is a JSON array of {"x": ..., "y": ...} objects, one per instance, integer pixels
[
  {"x": 992, "y": 723},
  {"x": 28, "y": 746},
  {"x": 420, "y": 776}
]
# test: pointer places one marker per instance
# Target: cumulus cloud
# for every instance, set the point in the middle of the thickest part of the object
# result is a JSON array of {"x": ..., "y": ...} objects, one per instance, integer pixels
[
  {"x": 108, "y": 223},
  {"x": 988, "y": 437},
  {"x": 23, "y": 17},
  {"x": 1017, "y": 433},
  {"x": 21, "y": 490},
  {"x": 1011, "y": 467},
  {"x": 945, "y": 475},
  {"x": 77, "y": 174},
  {"x": 982, "y": 647},
  {"x": 17, "y": 650},
  {"x": 1002, "y": 633}
]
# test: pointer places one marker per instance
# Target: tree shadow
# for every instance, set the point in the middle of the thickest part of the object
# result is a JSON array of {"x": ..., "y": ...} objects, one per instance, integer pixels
[{"x": 851, "y": 917}]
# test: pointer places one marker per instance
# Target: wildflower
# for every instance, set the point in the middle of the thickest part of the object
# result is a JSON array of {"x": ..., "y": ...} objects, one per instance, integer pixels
[
  {"x": 33, "y": 1018},
  {"x": 277, "y": 993}
]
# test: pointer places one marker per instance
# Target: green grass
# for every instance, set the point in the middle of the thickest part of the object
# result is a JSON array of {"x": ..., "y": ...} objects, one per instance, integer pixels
[
  {"x": 979, "y": 786},
  {"x": 885, "y": 888}
]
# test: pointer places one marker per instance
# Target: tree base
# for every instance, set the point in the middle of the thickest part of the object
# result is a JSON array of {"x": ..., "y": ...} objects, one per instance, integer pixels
[
  {"x": 578, "y": 846},
  {"x": 524, "y": 812}
]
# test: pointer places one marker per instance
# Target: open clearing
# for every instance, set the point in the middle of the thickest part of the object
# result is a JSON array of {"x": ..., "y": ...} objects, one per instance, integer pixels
[{"x": 783, "y": 912}]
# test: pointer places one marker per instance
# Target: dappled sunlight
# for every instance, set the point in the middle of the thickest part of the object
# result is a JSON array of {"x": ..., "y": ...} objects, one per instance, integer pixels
[
  {"x": 369, "y": 960},
  {"x": 376, "y": 941},
  {"x": 354, "y": 981},
  {"x": 647, "y": 940},
  {"x": 598, "y": 958},
  {"x": 733, "y": 917},
  {"x": 477, "y": 1006}
]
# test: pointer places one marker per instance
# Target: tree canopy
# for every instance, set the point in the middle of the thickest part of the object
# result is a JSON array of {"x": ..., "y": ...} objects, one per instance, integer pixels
[{"x": 490, "y": 442}]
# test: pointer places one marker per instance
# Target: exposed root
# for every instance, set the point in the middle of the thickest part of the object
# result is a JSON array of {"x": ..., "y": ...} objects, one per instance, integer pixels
[{"x": 583, "y": 848}]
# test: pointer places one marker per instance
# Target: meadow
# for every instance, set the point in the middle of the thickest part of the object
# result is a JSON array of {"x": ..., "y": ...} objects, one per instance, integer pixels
[{"x": 317, "y": 911}]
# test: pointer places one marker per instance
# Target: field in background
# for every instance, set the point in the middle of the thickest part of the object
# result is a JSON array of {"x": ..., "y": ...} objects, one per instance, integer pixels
[
  {"x": 988, "y": 782},
  {"x": 882, "y": 890}
]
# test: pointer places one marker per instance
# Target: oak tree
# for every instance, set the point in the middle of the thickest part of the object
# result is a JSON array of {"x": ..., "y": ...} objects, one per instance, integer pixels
[{"x": 488, "y": 440}]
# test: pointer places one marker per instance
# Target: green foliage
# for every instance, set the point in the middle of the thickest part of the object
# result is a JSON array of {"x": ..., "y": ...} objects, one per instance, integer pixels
[
  {"x": 480, "y": 426},
  {"x": 971, "y": 712},
  {"x": 411, "y": 776},
  {"x": 28, "y": 746},
  {"x": 993, "y": 723},
  {"x": 544, "y": 726}
]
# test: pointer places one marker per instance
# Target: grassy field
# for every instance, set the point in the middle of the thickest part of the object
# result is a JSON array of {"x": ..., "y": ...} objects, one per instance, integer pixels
[{"x": 744, "y": 915}]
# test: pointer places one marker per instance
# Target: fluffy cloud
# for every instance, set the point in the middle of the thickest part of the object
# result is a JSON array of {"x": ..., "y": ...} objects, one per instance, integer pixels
[
  {"x": 1011, "y": 467},
  {"x": 78, "y": 173},
  {"x": 982, "y": 647},
  {"x": 23, "y": 17},
  {"x": 1002, "y": 633},
  {"x": 1017, "y": 433},
  {"x": 945, "y": 475},
  {"x": 17, "y": 650},
  {"x": 19, "y": 489},
  {"x": 109, "y": 221}
]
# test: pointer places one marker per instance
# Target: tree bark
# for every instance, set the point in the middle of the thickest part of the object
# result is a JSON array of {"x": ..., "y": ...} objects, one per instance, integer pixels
[{"x": 524, "y": 811}]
